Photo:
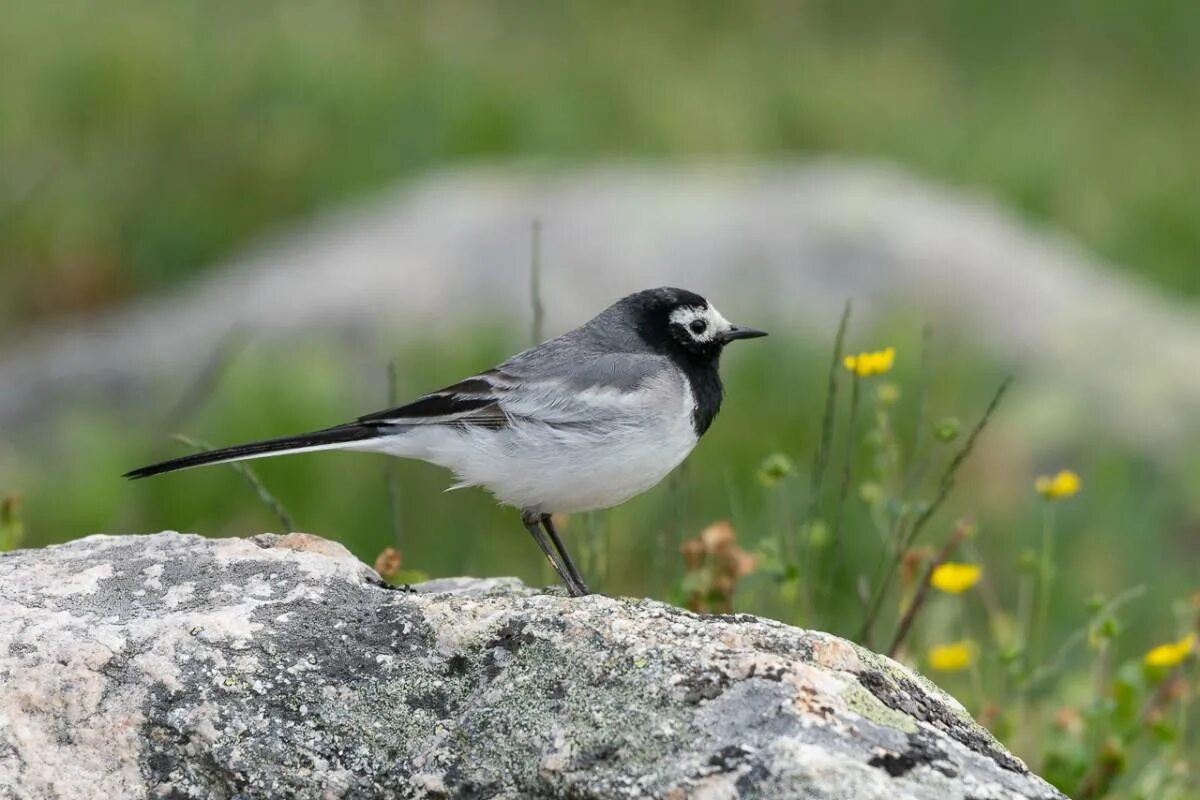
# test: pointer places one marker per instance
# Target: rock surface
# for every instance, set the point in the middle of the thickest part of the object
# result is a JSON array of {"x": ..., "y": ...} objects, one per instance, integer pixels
[
  {"x": 279, "y": 666},
  {"x": 785, "y": 243}
]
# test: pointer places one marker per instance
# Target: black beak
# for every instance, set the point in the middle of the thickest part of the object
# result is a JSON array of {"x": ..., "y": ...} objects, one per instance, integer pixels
[{"x": 742, "y": 332}]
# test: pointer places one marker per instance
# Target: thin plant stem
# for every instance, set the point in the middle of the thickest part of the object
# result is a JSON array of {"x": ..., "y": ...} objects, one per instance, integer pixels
[
  {"x": 945, "y": 486},
  {"x": 535, "y": 281},
  {"x": 787, "y": 536},
  {"x": 1025, "y": 590},
  {"x": 917, "y": 471},
  {"x": 207, "y": 380},
  {"x": 608, "y": 539},
  {"x": 671, "y": 536},
  {"x": 1024, "y": 680},
  {"x": 956, "y": 537},
  {"x": 987, "y": 590},
  {"x": 973, "y": 667},
  {"x": 918, "y": 468},
  {"x": 589, "y": 543},
  {"x": 847, "y": 474},
  {"x": 12, "y": 528},
  {"x": 1045, "y": 580},
  {"x": 890, "y": 458},
  {"x": 829, "y": 415},
  {"x": 392, "y": 469},
  {"x": 1100, "y": 667},
  {"x": 260, "y": 489}
]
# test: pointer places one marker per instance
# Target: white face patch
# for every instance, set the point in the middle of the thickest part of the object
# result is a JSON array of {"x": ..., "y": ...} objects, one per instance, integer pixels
[{"x": 702, "y": 324}]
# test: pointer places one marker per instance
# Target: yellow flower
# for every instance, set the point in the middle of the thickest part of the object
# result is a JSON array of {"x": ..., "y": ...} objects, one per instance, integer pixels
[
  {"x": 1057, "y": 487},
  {"x": 864, "y": 365},
  {"x": 954, "y": 578},
  {"x": 951, "y": 657},
  {"x": 1172, "y": 653}
]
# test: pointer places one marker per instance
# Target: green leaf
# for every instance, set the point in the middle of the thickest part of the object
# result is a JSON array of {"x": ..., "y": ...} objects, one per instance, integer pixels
[
  {"x": 1165, "y": 731},
  {"x": 775, "y": 468},
  {"x": 406, "y": 577},
  {"x": 947, "y": 429}
]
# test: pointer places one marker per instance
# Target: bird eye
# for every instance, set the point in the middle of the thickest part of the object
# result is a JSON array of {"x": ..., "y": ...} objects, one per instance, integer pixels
[{"x": 698, "y": 326}]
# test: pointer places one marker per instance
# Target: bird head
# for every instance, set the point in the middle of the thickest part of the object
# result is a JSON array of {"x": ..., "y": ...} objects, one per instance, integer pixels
[{"x": 670, "y": 319}]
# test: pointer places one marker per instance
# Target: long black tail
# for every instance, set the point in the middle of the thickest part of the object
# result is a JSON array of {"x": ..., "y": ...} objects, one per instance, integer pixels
[{"x": 328, "y": 439}]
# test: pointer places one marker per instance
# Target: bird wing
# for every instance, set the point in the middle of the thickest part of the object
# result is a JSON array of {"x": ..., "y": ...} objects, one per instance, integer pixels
[
  {"x": 474, "y": 401},
  {"x": 560, "y": 391}
]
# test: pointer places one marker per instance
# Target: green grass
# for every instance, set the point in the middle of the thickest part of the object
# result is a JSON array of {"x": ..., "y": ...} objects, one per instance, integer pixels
[
  {"x": 143, "y": 141},
  {"x": 1126, "y": 530}
]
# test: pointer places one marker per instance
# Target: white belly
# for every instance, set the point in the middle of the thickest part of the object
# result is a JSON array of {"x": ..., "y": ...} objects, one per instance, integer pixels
[
  {"x": 567, "y": 469},
  {"x": 600, "y": 474}
]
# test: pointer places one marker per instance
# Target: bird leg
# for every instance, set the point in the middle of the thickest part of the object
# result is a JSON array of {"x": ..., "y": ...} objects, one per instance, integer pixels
[
  {"x": 548, "y": 524},
  {"x": 533, "y": 525}
]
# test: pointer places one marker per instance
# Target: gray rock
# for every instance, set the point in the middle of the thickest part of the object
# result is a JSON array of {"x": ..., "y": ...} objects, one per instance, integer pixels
[
  {"x": 279, "y": 666},
  {"x": 781, "y": 242}
]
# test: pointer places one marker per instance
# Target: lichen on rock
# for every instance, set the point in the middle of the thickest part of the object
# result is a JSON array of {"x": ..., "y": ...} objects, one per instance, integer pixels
[{"x": 279, "y": 666}]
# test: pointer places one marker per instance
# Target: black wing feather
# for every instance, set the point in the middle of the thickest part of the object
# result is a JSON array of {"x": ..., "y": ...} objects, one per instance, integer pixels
[{"x": 472, "y": 402}]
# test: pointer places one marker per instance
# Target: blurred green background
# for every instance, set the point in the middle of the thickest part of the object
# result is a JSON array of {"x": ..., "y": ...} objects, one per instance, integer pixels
[{"x": 143, "y": 142}]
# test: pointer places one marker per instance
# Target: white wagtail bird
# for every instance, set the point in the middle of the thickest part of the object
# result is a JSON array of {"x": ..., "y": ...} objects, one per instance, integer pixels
[{"x": 583, "y": 421}]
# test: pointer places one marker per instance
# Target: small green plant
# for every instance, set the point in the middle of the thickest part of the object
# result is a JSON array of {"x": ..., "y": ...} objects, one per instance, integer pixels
[{"x": 390, "y": 566}]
